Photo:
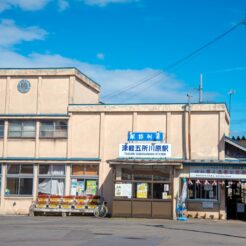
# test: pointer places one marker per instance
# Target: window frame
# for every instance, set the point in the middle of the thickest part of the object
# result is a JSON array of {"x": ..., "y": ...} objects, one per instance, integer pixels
[
  {"x": 54, "y": 131},
  {"x": 84, "y": 177},
  {"x": 195, "y": 199},
  {"x": 19, "y": 176},
  {"x": 51, "y": 176},
  {"x": 2, "y": 125},
  {"x": 151, "y": 182},
  {"x": 22, "y": 132}
]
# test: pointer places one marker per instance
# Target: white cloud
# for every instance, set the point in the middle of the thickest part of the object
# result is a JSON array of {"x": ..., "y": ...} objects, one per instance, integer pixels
[
  {"x": 63, "y": 5},
  {"x": 12, "y": 34},
  {"x": 23, "y": 4},
  {"x": 32, "y": 5},
  {"x": 111, "y": 80},
  {"x": 163, "y": 88},
  {"x": 102, "y": 3},
  {"x": 100, "y": 56}
]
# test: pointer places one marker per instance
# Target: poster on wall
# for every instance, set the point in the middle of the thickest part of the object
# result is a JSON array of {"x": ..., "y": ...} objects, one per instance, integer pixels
[
  {"x": 142, "y": 190},
  {"x": 80, "y": 187},
  {"x": 73, "y": 187},
  {"x": 123, "y": 190},
  {"x": 166, "y": 187},
  {"x": 91, "y": 187}
]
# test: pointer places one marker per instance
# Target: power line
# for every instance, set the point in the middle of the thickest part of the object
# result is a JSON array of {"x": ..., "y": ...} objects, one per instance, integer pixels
[{"x": 175, "y": 64}]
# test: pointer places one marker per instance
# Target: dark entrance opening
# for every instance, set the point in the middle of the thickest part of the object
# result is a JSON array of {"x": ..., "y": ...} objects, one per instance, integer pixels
[{"x": 235, "y": 195}]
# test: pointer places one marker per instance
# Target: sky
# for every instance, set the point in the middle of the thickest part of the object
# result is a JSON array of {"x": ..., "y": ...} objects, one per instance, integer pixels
[{"x": 127, "y": 46}]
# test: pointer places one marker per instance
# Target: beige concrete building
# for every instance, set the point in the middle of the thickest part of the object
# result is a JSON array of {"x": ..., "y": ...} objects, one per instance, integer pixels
[{"x": 57, "y": 138}]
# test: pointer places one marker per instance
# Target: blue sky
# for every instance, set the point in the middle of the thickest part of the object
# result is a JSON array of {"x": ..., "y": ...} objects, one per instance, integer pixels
[{"x": 121, "y": 42}]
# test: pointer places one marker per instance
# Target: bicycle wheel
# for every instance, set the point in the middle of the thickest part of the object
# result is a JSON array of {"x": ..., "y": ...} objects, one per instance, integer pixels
[{"x": 101, "y": 211}]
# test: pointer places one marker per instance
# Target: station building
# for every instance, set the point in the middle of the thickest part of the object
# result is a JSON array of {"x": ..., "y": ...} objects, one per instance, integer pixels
[{"x": 57, "y": 138}]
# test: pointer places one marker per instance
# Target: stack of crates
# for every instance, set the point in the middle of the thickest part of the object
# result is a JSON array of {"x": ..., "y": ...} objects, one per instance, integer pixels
[{"x": 71, "y": 204}]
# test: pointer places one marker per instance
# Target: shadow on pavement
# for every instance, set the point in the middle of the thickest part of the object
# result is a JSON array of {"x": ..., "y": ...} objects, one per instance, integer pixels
[{"x": 198, "y": 231}]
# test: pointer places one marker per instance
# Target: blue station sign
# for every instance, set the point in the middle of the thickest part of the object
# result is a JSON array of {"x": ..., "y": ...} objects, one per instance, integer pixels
[{"x": 145, "y": 136}]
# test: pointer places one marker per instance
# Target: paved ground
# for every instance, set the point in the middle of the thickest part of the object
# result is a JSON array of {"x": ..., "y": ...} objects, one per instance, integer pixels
[{"x": 89, "y": 231}]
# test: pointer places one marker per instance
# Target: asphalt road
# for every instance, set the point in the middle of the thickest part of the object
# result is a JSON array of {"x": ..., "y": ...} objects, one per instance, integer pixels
[{"x": 89, "y": 231}]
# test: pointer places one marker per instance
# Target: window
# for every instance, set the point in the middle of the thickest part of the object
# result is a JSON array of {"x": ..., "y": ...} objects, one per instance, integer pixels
[
  {"x": 53, "y": 129},
  {"x": 51, "y": 179},
  {"x": 84, "y": 180},
  {"x": 144, "y": 182},
  {"x": 19, "y": 179},
  {"x": 22, "y": 129},
  {"x": 207, "y": 190},
  {"x": 1, "y": 129}
]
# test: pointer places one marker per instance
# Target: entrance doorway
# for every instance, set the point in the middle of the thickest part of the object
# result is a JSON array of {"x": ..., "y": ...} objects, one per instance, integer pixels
[{"x": 235, "y": 195}]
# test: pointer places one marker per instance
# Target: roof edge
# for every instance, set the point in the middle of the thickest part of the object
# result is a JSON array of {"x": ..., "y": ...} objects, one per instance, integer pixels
[{"x": 75, "y": 71}]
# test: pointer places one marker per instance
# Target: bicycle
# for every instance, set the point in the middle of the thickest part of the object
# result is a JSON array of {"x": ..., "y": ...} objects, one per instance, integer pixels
[{"x": 101, "y": 210}]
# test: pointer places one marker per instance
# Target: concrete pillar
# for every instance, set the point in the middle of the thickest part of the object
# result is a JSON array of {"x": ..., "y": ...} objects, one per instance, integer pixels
[
  {"x": 7, "y": 95},
  {"x": 168, "y": 127},
  {"x": 39, "y": 86},
  {"x": 222, "y": 212},
  {"x": 185, "y": 135},
  {"x": 68, "y": 179},
  {"x": 5, "y": 139},
  {"x": 4, "y": 171},
  {"x": 35, "y": 181},
  {"x": 135, "y": 122},
  {"x": 101, "y": 153},
  {"x": 69, "y": 137},
  {"x": 221, "y": 143},
  {"x": 37, "y": 140},
  {"x": 71, "y": 89}
]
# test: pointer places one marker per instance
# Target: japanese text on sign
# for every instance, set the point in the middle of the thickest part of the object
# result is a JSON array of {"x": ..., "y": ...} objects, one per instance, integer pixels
[
  {"x": 145, "y": 136},
  {"x": 145, "y": 150},
  {"x": 219, "y": 172}
]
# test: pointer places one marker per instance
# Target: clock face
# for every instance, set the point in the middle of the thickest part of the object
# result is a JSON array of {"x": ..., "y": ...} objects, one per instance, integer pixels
[{"x": 24, "y": 86}]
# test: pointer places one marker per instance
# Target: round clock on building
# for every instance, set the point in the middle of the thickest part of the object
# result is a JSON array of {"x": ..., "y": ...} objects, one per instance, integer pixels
[{"x": 24, "y": 86}]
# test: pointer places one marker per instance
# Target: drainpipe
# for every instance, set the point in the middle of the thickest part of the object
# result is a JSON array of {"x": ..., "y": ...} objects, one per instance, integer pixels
[{"x": 189, "y": 125}]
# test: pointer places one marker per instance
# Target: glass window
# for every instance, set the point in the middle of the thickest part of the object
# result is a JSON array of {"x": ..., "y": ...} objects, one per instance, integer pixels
[
  {"x": 60, "y": 129},
  {"x": 126, "y": 174},
  {"x": 1, "y": 129},
  {"x": 78, "y": 170},
  {"x": 51, "y": 179},
  {"x": 161, "y": 173},
  {"x": 207, "y": 190},
  {"x": 84, "y": 180},
  {"x": 28, "y": 129},
  {"x": 142, "y": 190},
  {"x": 22, "y": 129},
  {"x": 148, "y": 182},
  {"x": 142, "y": 175},
  {"x": 83, "y": 170},
  {"x": 161, "y": 191},
  {"x": 53, "y": 129},
  {"x": 13, "y": 169},
  {"x": 19, "y": 179},
  {"x": 15, "y": 129}
]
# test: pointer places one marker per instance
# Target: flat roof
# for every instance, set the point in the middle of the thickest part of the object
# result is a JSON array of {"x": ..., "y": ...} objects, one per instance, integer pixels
[
  {"x": 147, "y": 107},
  {"x": 51, "y": 71}
]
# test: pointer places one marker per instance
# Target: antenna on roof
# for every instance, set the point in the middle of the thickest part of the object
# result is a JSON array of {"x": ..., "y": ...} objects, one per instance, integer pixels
[
  {"x": 230, "y": 93},
  {"x": 200, "y": 89}
]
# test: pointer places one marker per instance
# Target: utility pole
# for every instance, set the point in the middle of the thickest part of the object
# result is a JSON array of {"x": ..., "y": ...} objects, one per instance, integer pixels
[
  {"x": 200, "y": 90},
  {"x": 230, "y": 93}
]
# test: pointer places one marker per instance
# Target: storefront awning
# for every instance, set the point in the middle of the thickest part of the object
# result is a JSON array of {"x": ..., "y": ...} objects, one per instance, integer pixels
[{"x": 146, "y": 162}]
